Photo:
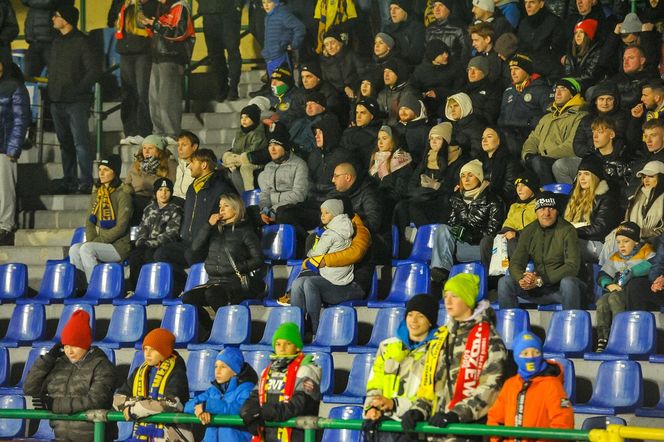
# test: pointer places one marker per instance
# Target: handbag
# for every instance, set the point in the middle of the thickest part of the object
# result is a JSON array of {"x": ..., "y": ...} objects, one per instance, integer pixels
[
  {"x": 244, "y": 279},
  {"x": 499, "y": 259}
]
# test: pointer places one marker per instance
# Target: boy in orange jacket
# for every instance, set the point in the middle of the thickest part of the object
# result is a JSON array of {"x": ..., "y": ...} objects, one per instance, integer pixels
[{"x": 535, "y": 396}]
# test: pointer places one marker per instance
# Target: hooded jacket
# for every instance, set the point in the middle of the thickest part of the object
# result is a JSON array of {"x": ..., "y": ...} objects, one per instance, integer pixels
[
  {"x": 524, "y": 109},
  {"x": 647, "y": 210},
  {"x": 555, "y": 251},
  {"x": 520, "y": 215},
  {"x": 467, "y": 131},
  {"x": 546, "y": 403},
  {"x": 226, "y": 399},
  {"x": 360, "y": 142},
  {"x": 389, "y": 98},
  {"x": 283, "y": 183},
  {"x": 486, "y": 96},
  {"x": 479, "y": 217},
  {"x": 476, "y": 405},
  {"x": 554, "y": 135},
  {"x": 397, "y": 371},
  {"x": 198, "y": 206},
  {"x": 415, "y": 134},
  {"x": 79, "y": 386},
  {"x": 336, "y": 237},
  {"x": 322, "y": 161}
]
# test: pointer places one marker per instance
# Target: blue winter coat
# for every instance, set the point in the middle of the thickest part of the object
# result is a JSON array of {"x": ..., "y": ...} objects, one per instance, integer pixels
[
  {"x": 282, "y": 28},
  {"x": 226, "y": 399},
  {"x": 14, "y": 116}
]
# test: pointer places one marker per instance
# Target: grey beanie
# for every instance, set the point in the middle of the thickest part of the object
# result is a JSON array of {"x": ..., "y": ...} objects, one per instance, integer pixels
[
  {"x": 387, "y": 39},
  {"x": 387, "y": 129},
  {"x": 480, "y": 62},
  {"x": 631, "y": 24},
  {"x": 335, "y": 207}
]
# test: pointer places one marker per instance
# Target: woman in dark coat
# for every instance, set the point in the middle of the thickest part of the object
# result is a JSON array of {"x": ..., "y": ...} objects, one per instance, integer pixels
[
  {"x": 233, "y": 248},
  {"x": 582, "y": 59},
  {"x": 499, "y": 166}
]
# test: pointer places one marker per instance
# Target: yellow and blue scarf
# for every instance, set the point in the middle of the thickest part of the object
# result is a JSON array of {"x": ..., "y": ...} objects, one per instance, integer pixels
[{"x": 103, "y": 213}]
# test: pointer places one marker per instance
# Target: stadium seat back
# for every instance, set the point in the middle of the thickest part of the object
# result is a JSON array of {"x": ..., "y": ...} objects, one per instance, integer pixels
[
  {"x": 569, "y": 333},
  {"x": 155, "y": 282},
  {"x": 601, "y": 422},
  {"x": 44, "y": 431},
  {"x": 257, "y": 359},
  {"x": 13, "y": 281},
  {"x": 200, "y": 370},
  {"x": 11, "y": 428},
  {"x": 127, "y": 326},
  {"x": 359, "y": 375},
  {"x": 569, "y": 377},
  {"x": 386, "y": 324},
  {"x": 136, "y": 361},
  {"x": 78, "y": 236},
  {"x": 324, "y": 361},
  {"x": 423, "y": 243},
  {"x": 182, "y": 321},
  {"x": 337, "y": 327},
  {"x": 58, "y": 281},
  {"x": 251, "y": 197},
  {"x": 345, "y": 413},
  {"x": 278, "y": 242},
  {"x": 67, "y": 311},
  {"x": 106, "y": 283},
  {"x": 511, "y": 322},
  {"x": 618, "y": 384},
  {"x": 197, "y": 276},
  {"x": 32, "y": 357},
  {"x": 558, "y": 188},
  {"x": 25, "y": 326},
  {"x": 232, "y": 326},
  {"x": 632, "y": 333},
  {"x": 279, "y": 315},
  {"x": 474, "y": 268},
  {"x": 408, "y": 280},
  {"x": 4, "y": 366}
]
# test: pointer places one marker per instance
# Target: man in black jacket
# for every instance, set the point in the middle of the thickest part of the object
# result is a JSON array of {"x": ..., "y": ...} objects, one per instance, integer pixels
[
  {"x": 541, "y": 36},
  {"x": 73, "y": 70}
]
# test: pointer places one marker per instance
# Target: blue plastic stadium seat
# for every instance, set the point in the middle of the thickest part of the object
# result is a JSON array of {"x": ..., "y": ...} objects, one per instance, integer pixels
[
  {"x": 618, "y": 389},
  {"x": 600, "y": 422},
  {"x": 408, "y": 280},
  {"x": 251, "y": 197},
  {"x": 125, "y": 430},
  {"x": 13, "y": 282},
  {"x": 442, "y": 315},
  {"x": 656, "y": 359},
  {"x": 257, "y": 359},
  {"x": 278, "y": 315},
  {"x": 395, "y": 242},
  {"x": 337, "y": 330},
  {"x": 474, "y": 268},
  {"x": 155, "y": 283},
  {"x": 373, "y": 294},
  {"x": 25, "y": 326},
  {"x": 127, "y": 327},
  {"x": 44, "y": 431},
  {"x": 58, "y": 284},
  {"x": 78, "y": 236},
  {"x": 10, "y": 428},
  {"x": 4, "y": 366},
  {"x": 569, "y": 334},
  {"x": 324, "y": 361},
  {"x": 197, "y": 276},
  {"x": 559, "y": 188},
  {"x": 569, "y": 377},
  {"x": 345, "y": 413},
  {"x": 656, "y": 411},
  {"x": 633, "y": 336},
  {"x": 356, "y": 388},
  {"x": 110, "y": 354},
  {"x": 278, "y": 242},
  {"x": 385, "y": 326},
  {"x": 200, "y": 370},
  {"x": 136, "y": 361},
  {"x": 422, "y": 245},
  {"x": 32, "y": 356},
  {"x": 64, "y": 317},
  {"x": 510, "y": 322},
  {"x": 182, "y": 321},
  {"x": 106, "y": 284},
  {"x": 231, "y": 327}
]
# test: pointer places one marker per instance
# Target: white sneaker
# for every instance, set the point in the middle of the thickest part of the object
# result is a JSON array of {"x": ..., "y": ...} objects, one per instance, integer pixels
[
  {"x": 136, "y": 139},
  {"x": 171, "y": 141}
]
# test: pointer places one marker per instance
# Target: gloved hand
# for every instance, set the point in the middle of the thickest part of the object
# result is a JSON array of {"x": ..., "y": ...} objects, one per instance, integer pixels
[
  {"x": 56, "y": 351},
  {"x": 371, "y": 425},
  {"x": 442, "y": 420},
  {"x": 313, "y": 263},
  {"x": 269, "y": 412},
  {"x": 410, "y": 418},
  {"x": 319, "y": 231}
]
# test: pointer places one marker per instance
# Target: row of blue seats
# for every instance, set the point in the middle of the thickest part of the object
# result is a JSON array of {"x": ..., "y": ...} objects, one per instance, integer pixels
[{"x": 633, "y": 334}]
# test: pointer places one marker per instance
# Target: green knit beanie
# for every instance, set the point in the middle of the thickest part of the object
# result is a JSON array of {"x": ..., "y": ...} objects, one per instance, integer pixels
[
  {"x": 290, "y": 332},
  {"x": 465, "y": 286}
]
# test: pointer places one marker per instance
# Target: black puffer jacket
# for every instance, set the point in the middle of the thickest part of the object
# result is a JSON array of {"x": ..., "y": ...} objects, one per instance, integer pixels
[
  {"x": 454, "y": 36},
  {"x": 240, "y": 240},
  {"x": 409, "y": 36},
  {"x": 85, "y": 385},
  {"x": 541, "y": 36},
  {"x": 480, "y": 217},
  {"x": 366, "y": 201},
  {"x": 486, "y": 96},
  {"x": 605, "y": 215},
  {"x": 501, "y": 171},
  {"x": 322, "y": 161},
  {"x": 38, "y": 23},
  {"x": 585, "y": 69},
  {"x": 360, "y": 142},
  {"x": 342, "y": 69}
]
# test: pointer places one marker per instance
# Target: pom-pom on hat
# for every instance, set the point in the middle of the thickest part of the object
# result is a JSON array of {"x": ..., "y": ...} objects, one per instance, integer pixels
[{"x": 77, "y": 331}]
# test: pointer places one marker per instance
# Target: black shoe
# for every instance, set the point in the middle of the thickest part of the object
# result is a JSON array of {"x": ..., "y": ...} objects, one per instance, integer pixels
[
  {"x": 62, "y": 186},
  {"x": 6, "y": 238},
  {"x": 222, "y": 95},
  {"x": 84, "y": 189},
  {"x": 264, "y": 91},
  {"x": 439, "y": 274},
  {"x": 233, "y": 95}
]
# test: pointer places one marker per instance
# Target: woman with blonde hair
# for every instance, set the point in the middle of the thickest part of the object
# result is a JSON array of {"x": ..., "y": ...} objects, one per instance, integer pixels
[
  {"x": 592, "y": 209},
  {"x": 152, "y": 161}
]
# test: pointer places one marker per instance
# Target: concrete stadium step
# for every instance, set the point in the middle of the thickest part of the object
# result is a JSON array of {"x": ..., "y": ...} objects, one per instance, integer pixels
[
  {"x": 54, "y": 202},
  {"x": 31, "y": 255},
  {"x": 43, "y": 237},
  {"x": 52, "y": 219}
]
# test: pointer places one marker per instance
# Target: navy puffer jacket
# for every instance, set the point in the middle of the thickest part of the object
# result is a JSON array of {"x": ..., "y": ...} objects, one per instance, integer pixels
[{"x": 14, "y": 116}]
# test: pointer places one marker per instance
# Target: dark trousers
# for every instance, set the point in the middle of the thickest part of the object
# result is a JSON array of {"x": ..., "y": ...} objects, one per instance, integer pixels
[
  {"x": 137, "y": 257},
  {"x": 36, "y": 58},
  {"x": 257, "y": 21},
  {"x": 541, "y": 165},
  {"x": 135, "y": 111},
  {"x": 202, "y": 297},
  {"x": 180, "y": 256},
  {"x": 304, "y": 217},
  {"x": 140, "y": 202},
  {"x": 71, "y": 127},
  {"x": 640, "y": 297},
  {"x": 222, "y": 33}
]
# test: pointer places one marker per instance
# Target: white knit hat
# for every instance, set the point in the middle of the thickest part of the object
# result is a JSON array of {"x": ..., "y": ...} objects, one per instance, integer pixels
[
  {"x": 474, "y": 167},
  {"x": 486, "y": 5}
]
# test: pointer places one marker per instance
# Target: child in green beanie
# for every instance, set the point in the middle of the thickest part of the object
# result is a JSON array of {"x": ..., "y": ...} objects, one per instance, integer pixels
[
  {"x": 465, "y": 362},
  {"x": 288, "y": 387}
]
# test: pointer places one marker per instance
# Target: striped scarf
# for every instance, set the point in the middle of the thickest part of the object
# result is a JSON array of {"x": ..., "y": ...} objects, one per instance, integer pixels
[
  {"x": 103, "y": 214},
  {"x": 144, "y": 431},
  {"x": 200, "y": 182}
]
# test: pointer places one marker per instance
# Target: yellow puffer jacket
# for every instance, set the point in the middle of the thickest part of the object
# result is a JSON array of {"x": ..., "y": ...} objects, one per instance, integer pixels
[{"x": 520, "y": 215}]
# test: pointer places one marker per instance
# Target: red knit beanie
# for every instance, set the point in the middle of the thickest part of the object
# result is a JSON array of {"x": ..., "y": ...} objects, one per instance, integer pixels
[
  {"x": 77, "y": 331},
  {"x": 588, "y": 26},
  {"x": 161, "y": 340}
]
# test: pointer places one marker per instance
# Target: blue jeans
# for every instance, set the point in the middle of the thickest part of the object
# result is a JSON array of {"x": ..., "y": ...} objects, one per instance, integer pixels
[
  {"x": 569, "y": 293},
  {"x": 446, "y": 248},
  {"x": 309, "y": 292},
  {"x": 71, "y": 127}
]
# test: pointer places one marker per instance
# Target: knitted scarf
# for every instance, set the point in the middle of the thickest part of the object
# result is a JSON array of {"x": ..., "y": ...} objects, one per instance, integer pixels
[
  {"x": 149, "y": 165},
  {"x": 144, "y": 431},
  {"x": 200, "y": 182},
  {"x": 103, "y": 214}
]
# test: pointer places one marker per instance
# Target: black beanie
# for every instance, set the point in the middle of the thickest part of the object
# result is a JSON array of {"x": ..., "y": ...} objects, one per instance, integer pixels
[
  {"x": 284, "y": 74},
  {"x": 253, "y": 112},
  {"x": 162, "y": 182},
  {"x": 426, "y": 305},
  {"x": 629, "y": 229},
  {"x": 312, "y": 67},
  {"x": 434, "y": 48},
  {"x": 403, "y": 4},
  {"x": 399, "y": 69},
  {"x": 529, "y": 179},
  {"x": 69, "y": 13},
  {"x": 113, "y": 162},
  {"x": 593, "y": 165},
  {"x": 278, "y": 134},
  {"x": 316, "y": 97},
  {"x": 371, "y": 105}
]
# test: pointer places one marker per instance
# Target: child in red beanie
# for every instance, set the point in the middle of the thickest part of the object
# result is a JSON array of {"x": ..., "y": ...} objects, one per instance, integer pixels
[
  {"x": 73, "y": 377},
  {"x": 158, "y": 385}
]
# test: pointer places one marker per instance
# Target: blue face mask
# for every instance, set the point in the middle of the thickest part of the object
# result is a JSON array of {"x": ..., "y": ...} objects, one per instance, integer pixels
[{"x": 529, "y": 367}]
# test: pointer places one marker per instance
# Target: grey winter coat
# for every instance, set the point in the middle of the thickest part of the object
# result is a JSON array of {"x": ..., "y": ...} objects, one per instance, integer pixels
[
  {"x": 337, "y": 237},
  {"x": 283, "y": 183},
  {"x": 85, "y": 385}
]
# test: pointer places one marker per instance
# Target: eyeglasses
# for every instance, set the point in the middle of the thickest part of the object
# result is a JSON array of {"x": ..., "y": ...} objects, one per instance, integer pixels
[{"x": 337, "y": 175}]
